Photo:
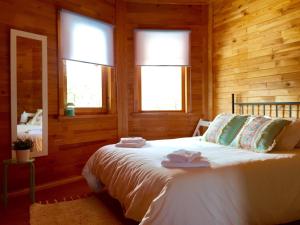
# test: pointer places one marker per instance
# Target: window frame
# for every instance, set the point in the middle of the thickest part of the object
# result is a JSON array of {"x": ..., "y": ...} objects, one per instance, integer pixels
[
  {"x": 108, "y": 82},
  {"x": 89, "y": 110},
  {"x": 185, "y": 92},
  {"x": 186, "y": 72}
]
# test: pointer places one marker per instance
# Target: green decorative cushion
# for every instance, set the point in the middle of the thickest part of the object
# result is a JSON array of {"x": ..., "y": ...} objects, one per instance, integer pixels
[
  {"x": 259, "y": 133},
  {"x": 224, "y": 128},
  {"x": 267, "y": 142},
  {"x": 231, "y": 129}
]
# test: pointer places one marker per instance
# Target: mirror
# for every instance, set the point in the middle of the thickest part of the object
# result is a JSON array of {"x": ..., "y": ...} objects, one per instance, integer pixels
[{"x": 29, "y": 95}]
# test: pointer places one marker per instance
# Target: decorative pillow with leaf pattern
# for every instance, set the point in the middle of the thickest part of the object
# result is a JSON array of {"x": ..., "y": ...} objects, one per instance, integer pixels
[
  {"x": 224, "y": 128},
  {"x": 259, "y": 133}
]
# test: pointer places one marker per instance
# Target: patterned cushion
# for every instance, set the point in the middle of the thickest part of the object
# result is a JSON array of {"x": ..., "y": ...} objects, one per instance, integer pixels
[
  {"x": 259, "y": 133},
  {"x": 224, "y": 128}
]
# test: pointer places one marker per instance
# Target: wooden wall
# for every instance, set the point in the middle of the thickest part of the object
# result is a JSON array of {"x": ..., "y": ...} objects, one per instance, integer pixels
[
  {"x": 29, "y": 75},
  {"x": 168, "y": 125},
  {"x": 256, "y": 51},
  {"x": 72, "y": 141}
]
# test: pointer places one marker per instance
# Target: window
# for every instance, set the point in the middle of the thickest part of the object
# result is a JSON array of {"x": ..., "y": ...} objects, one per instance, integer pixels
[
  {"x": 161, "y": 88},
  {"x": 86, "y": 48},
  {"x": 84, "y": 78},
  {"x": 162, "y": 59}
]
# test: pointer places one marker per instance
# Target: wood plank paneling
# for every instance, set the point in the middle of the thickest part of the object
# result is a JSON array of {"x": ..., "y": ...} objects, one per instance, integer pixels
[
  {"x": 162, "y": 16},
  {"x": 121, "y": 69},
  {"x": 256, "y": 50},
  {"x": 71, "y": 141}
]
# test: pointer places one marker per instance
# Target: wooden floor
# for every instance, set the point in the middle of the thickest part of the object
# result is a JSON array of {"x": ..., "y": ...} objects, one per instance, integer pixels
[{"x": 17, "y": 212}]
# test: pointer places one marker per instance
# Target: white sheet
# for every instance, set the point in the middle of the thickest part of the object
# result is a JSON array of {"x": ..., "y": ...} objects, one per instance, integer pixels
[
  {"x": 240, "y": 187},
  {"x": 34, "y": 132}
]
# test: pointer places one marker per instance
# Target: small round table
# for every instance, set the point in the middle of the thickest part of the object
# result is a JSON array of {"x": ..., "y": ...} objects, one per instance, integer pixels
[{"x": 8, "y": 162}]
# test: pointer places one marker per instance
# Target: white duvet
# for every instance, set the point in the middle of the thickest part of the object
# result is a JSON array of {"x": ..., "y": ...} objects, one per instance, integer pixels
[
  {"x": 240, "y": 187},
  {"x": 33, "y": 132}
]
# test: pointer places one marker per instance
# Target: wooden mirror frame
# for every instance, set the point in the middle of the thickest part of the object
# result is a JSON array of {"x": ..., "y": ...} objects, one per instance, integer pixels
[{"x": 13, "y": 86}]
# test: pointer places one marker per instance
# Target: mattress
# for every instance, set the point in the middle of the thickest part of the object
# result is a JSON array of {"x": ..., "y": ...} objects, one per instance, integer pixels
[
  {"x": 33, "y": 132},
  {"x": 240, "y": 187}
]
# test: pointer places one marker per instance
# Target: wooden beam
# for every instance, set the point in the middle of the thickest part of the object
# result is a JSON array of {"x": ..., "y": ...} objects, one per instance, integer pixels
[
  {"x": 121, "y": 69},
  {"x": 210, "y": 94},
  {"x": 171, "y": 2}
]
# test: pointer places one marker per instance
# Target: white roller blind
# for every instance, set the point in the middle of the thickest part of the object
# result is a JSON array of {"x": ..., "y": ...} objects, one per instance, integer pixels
[
  {"x": 85, "y": 39},
  {"x": 162, "y": 47}
]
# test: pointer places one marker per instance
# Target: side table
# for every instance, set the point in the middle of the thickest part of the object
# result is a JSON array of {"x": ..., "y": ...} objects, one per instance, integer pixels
[{"x": 6, "y": 164}]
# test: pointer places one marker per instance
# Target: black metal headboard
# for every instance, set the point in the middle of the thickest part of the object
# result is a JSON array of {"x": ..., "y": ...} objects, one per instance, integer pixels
[{"x": 293, "y": 108}]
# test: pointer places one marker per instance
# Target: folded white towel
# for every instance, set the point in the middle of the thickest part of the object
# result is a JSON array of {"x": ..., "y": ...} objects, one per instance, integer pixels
[
  {"x": 182, "y": 155},
  {"x": 130, "y": 145},
  {"x": 132, "y": 140},
  {"x": 169, "y": 164}
]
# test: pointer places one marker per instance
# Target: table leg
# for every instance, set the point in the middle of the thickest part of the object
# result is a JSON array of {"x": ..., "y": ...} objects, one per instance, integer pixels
[
  {"x": 32, "y": 182},
  {"x": 5, "y": 170}
]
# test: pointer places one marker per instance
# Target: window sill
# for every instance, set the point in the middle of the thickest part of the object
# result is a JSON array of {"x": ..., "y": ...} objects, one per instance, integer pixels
[
  {"x": 94, "y": 116},
  {"x": 164, "y": 113}
]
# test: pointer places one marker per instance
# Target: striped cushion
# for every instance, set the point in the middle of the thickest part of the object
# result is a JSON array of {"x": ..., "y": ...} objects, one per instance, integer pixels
[
  {"x": 259, "y": 133},
  {"x": 231, "y": 129},
  {"x": 224, "y": 128}
]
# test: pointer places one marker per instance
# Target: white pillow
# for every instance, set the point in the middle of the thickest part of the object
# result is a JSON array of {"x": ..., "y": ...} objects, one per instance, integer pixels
[
  {"x": 290, "y": 137},
  {"x": 24, "y": 118}
]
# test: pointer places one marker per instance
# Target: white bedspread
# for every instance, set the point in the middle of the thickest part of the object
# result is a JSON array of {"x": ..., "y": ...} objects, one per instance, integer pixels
[
  {"x": 33, "y": 132},
  {"x": 240, "y": 187}
]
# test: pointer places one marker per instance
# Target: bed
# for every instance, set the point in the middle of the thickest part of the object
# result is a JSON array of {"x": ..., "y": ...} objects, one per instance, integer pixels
[
  {"x": 33, "y": 132},
  {"x": 239, "y": 187}
]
